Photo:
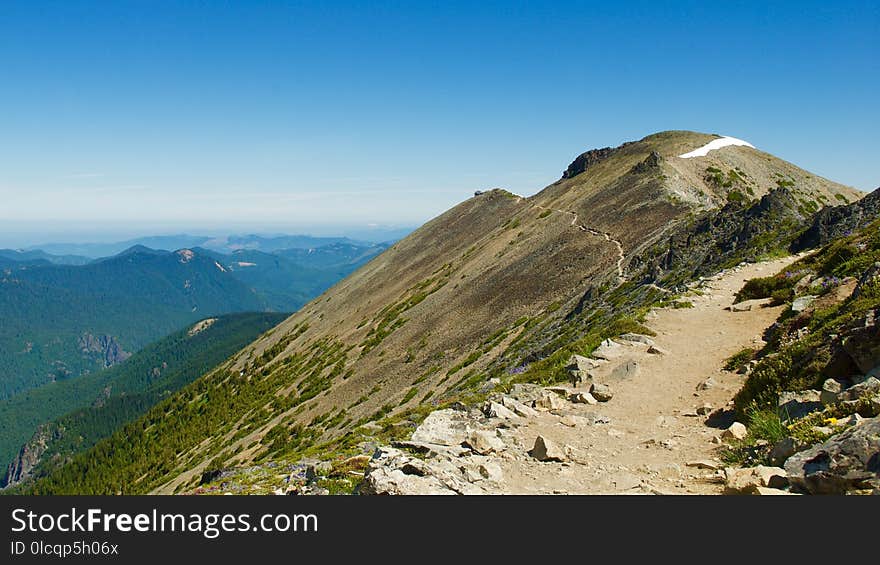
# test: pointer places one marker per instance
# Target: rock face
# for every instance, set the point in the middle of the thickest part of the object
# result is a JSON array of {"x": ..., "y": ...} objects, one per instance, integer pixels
[
  {"x": 104, "y": 347},
  {"x": 833, "y": 222},
  {"x": 849, "y": 461},
  {"x": 651, "y": 163},
  {"x": 29, "y": 455},
  {"x": 586, "y": 160},
  {"x": 862, "y": 343}
]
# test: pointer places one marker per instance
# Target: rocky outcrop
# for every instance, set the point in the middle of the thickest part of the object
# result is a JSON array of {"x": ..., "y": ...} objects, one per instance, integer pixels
[
  {"x": 729, "y": 235},
  {"x": 650, "y": 164},
  {"x": 862, "y": 342},
  {"x": 586, "y": 160},
  {"x": 105, "y": 348},
  {"x": 30, "y": 454},
  {"x": 833, "y": 222},
  {"x": 846, "y": 462}
]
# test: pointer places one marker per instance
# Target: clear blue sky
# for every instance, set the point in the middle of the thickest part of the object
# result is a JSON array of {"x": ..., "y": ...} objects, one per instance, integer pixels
[{"x": 176, "y": 116}]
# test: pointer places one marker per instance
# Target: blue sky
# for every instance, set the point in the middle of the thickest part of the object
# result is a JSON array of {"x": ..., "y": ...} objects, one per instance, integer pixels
[{"x": 290, "y": 116}]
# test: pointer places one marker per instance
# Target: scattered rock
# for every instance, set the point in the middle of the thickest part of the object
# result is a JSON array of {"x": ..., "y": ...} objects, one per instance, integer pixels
[
  {"x": 496, "y": 410},
  {"x": 707, "y": 384},
  {"x": 870, "y": 387},
  {"x": 546, "y": 450},
  {"x": 848, "y": 461},
  {"x": 582, "y": 398},
  {"x": 318, "y": 470},
  {"x": 443, "y": 427},
  {"x": 803, "y": 283},
  {"x": 608, "y": 350},
  {"x": 741, "y": 307},
  {"x": 851, "y": 420},
  {"x": 657, "y": 350},
  {"x": 801, "y": 303},
  {"x": 519, "y": 408},
  {"x": 576, "y": 455},
  {"x": 746, "y": 481},
  {"x": 491, "y": 471},
  {"x": 392, "y": 471},
  {"x": 767, "y": 491},
  {"x": 582, "y": 363},
  {"x": 830, "y": 390},
  {"x": 736, "y": 431},
  {"x": 704, "y": 464},
  {"x": 637, "y": 338},
  {"x": 574, "y": 421},
  {"x": 601, "y": 392},
  {"x": 549, "y": 401},
  {"x": 782, "y": 450},
  {"x": 704, "y": 410},
  {"x": 484, "y": 442},
  {"x": 626, "y": 370}
]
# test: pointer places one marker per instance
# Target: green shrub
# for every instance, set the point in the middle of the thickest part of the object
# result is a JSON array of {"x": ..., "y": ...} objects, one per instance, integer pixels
[
  {"x": 740, "y": 359},
  {"x": 766, "y": 424},
  {"x": 765, "y": 287}
]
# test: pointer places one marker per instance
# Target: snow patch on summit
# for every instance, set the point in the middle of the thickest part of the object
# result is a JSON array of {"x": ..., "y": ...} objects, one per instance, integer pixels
[{"x": 715, "y": 144}]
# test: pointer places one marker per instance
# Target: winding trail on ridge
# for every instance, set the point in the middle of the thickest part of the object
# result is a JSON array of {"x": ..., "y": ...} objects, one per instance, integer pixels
[{"x": 621, "y": 256}]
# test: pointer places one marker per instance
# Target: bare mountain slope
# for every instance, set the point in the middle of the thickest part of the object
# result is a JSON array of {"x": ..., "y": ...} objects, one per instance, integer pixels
[{"x": 496, "y": 258}]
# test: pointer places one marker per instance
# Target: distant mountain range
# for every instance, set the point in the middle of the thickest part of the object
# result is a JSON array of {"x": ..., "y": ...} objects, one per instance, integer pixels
[
  {"x": 81, "y": 253},
  {"x": 62, "y": 318}
]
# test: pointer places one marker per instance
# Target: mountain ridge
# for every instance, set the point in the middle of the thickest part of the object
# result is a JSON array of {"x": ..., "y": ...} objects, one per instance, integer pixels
[{"x": 496, "y": 284}]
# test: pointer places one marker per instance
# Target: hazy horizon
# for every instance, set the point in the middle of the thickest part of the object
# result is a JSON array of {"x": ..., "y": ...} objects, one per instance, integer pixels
[
  {"x": 139, "y": 119},
  {"x": 37, "y": 238}
]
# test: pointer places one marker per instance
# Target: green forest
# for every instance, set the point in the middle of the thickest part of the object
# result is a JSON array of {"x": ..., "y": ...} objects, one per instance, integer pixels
[{"x": 93, "y": 406}]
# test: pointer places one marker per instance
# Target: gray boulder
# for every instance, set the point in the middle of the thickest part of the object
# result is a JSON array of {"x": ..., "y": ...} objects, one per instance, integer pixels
[
  {"x": 608, "y": 350},
  {"x": 848, "y": 461},
  {"x": 443, "y": 427},
  {"x": 830, "y": 390},
  {"x": 862, "y": 343},
  {"x": 801, "y": 303},
  {"x": 637, "y": 338},
  {"x": 870, "y": 387},
  {"x": 794, "y": 405},
  {"x": 626, "y": 370}
]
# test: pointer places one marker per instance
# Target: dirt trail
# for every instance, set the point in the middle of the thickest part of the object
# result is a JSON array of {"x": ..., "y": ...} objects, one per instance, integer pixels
[{"x": 650, "y": 436}]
